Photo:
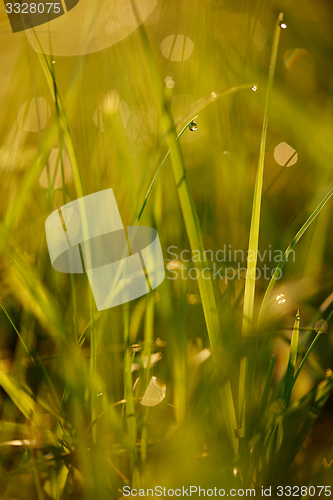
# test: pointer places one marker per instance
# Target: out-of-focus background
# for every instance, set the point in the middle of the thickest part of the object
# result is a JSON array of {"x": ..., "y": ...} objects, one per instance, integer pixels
[{"x": 101, "y": 71}]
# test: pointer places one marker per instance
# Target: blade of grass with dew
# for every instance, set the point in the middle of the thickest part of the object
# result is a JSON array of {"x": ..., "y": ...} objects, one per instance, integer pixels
[
  {"x": 247, "y": 372},
  {"x": 277, "y": 272},
  {"x": 193, "y": 231},
  {"x": 292, "y": 360}
]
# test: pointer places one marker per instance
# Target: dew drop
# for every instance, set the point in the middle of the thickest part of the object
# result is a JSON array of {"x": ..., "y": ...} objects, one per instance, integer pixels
[
  {"x": 283, "y": 25},
  {"x": 280, "y": 298},
  {"x": 193, "y": 126},
  {"x": 321, "y": 326},
  {"x": 136, "y": 347},
  {"x": 254, "y": 88},
  {"x": 169, "y": 82}
]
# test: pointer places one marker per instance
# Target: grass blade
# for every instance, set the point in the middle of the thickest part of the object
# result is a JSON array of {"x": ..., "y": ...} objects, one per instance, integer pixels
[
  {"x": 277, "y": 272},
  {"x": 256, "y": 207},
  {"x": 293, "y": 380},
  {"x": 247, "y": 372},
  {"x": 292, "y": 360}
]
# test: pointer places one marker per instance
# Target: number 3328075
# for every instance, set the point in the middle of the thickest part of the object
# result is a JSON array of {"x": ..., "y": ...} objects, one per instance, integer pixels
[{"x": 33, "y": 8}]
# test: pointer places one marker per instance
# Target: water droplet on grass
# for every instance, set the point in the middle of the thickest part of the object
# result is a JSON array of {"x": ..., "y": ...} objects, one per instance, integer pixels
[
  {"x": 193, "y": 126},
  {"x": 136, "y": 347},
  {"x": 254, "y": 88},
  {"x": 280, "y": 298},
  {"x": 169, "y": 82},
  {"x": 283, "y": 25}
]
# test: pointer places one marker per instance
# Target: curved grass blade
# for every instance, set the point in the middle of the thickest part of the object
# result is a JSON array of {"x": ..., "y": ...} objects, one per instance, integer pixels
[
  {"x": 203, "y": 102},
  {"x": 289, "y": 388},
  {"x": 277, "y": 272},
  {"x": 157, "y": 173},
  {"x": 187, "y": 118}
]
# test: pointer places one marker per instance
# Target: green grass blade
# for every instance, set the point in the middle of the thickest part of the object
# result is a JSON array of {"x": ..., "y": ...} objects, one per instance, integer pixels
[
  {"x": 148, "y": 340},
  {"x": 292, "y": 382},
  {"x": 277, "y": 272},
  {"x": 292, "y": 359},
  {"x": 246, "y": 377},
  {"x": 256, "y": 207},
  {"x": 128, "y": 384}
]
